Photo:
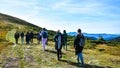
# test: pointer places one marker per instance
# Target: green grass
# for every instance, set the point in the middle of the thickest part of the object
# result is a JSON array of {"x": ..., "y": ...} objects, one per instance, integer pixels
[
  {"x": 32, "y": 56},
  {"x": 10, "y": 35}
]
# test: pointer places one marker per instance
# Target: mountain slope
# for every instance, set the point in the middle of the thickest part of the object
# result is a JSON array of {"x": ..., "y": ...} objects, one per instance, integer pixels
[
  {"x": 117, "y": 39},
  {"x": 15, "y": 20},
  {"x": 8, "y": 23}
]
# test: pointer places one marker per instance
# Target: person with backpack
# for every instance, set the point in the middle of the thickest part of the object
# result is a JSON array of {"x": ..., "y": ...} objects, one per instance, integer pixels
[
  {"x": 16, "y": 36},
  {"x": 79, "y": 43},
  {"x": 58, "y": 44},
  {"x": 65, "y": 39},
  {"x": 31, "y": 37},
  {"x": 22, "y": 37},
  {"x": 44, "y": 34},
  {"x": 39, "y": 37}
]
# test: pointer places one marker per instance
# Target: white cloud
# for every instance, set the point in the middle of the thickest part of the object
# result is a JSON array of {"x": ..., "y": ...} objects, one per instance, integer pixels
[
  {"x": 80, "y": 7},
  {"x": 25, "y": 3},
  {"x": 86, "y": 7},
  {"x": 60, "y": 4}
]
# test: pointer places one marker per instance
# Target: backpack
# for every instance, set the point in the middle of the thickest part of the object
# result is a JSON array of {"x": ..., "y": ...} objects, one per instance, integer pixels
[
  {"x": 56, "y": 38},
  {"x": 39, "y": 36},
  {"x": 82, "y": 41},
  {"x": 44, "y": 35}
]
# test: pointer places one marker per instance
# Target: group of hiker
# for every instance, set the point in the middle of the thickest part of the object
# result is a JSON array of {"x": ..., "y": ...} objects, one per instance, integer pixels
[
  {"x": 60, "y": 40},
  {"x": 29, "y": 37},
  {"x": 79, "y": 43}
]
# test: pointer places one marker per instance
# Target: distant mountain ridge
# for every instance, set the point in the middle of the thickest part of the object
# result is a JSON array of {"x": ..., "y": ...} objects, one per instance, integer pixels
[
  {"x": 104, "y": 35},
  {"x": 117, "y": 39}
]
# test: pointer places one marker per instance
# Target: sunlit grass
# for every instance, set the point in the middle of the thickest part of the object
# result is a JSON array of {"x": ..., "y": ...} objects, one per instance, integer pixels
[
  {"x": 3, "y": 34},
  {"x": 33, "y": 56}
]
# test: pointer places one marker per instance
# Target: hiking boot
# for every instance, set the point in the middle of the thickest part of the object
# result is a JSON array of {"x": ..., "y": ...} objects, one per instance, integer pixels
[
  {"x": 58, "y": 59},
  {"x": 60, "y": 56},
  {"x": 81, "y": 65}
]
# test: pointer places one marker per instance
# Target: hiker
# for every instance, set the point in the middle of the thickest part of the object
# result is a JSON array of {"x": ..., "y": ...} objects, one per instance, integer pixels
[
  {"x": 65, "y": 40},
  {"x": 27, "y": 38},
  {"x": 16, "y": 36},
  {"x": 39, "y": 37},
  {"x": 58, "y": 45},
  {"x": 44, "y": 35},
  {"x": 31, "y": 37},
  {"x": 79, "y": 43},
  {"x": 22, "y": 37}
]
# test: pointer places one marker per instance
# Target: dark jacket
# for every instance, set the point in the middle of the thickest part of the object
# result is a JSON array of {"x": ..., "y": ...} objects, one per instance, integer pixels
[
  {"x": 27, "y": 37},
  {"x": 16, "y": 35},
  {"x": 64, "y": 38},
  {"x": 22, "y": 35},
  {"x": 57, "y": 40},
  {"x": 31, "y": 35},
  {"x": 77, "y": 46}
]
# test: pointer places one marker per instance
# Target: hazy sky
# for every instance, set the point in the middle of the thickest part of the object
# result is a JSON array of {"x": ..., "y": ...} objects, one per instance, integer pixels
[{"x": 92, "y": 16}]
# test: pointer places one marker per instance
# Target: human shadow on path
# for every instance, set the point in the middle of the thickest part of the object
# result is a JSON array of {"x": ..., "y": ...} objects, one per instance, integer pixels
[
  {"x": 85, "y": 66},
  {"x": 52, "y": 51}
]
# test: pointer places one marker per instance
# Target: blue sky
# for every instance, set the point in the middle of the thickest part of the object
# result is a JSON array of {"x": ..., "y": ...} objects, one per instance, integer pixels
[{"x": 92, "y": 16}]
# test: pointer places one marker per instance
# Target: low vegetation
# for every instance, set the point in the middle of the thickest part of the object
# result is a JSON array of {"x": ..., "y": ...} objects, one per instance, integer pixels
[{"x": 32, "y": 56}]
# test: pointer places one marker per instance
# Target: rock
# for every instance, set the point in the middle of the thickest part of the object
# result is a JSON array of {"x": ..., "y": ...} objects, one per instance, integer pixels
[
  {"x": 29, "y": 59},
  {"x": 12, "y": 63},
  {"x": 93, "y": 61}
]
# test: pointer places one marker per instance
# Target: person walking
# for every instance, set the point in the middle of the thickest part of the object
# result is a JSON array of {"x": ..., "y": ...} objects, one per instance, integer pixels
[
  {"x": 65, "y": 39},
  {"x": 22, "y": 37},
  {"x": 27, "y": 38},
  {"x": 39, "y": 37},
  {"x": 44, "y": 34},
  {"x": 31, "y": 37},
  {"x": 79, "y": 43},
  {"x": 16, "y": 36},
  {"x": 58, "y": 45}
]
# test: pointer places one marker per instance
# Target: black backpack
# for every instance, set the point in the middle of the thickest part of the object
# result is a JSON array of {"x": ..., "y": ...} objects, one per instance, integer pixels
[
  {"x": 56, "y": 38},
  {"x": 82, "y": 41}
]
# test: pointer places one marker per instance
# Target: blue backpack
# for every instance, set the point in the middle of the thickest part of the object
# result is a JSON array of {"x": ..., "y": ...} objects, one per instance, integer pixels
[{"x": 44, "y": 35}]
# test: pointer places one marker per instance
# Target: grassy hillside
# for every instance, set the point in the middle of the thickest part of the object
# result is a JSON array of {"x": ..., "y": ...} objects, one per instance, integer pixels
[
  {"x": 9, "y": 25},
  {"x": 8, "y": 18}
]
